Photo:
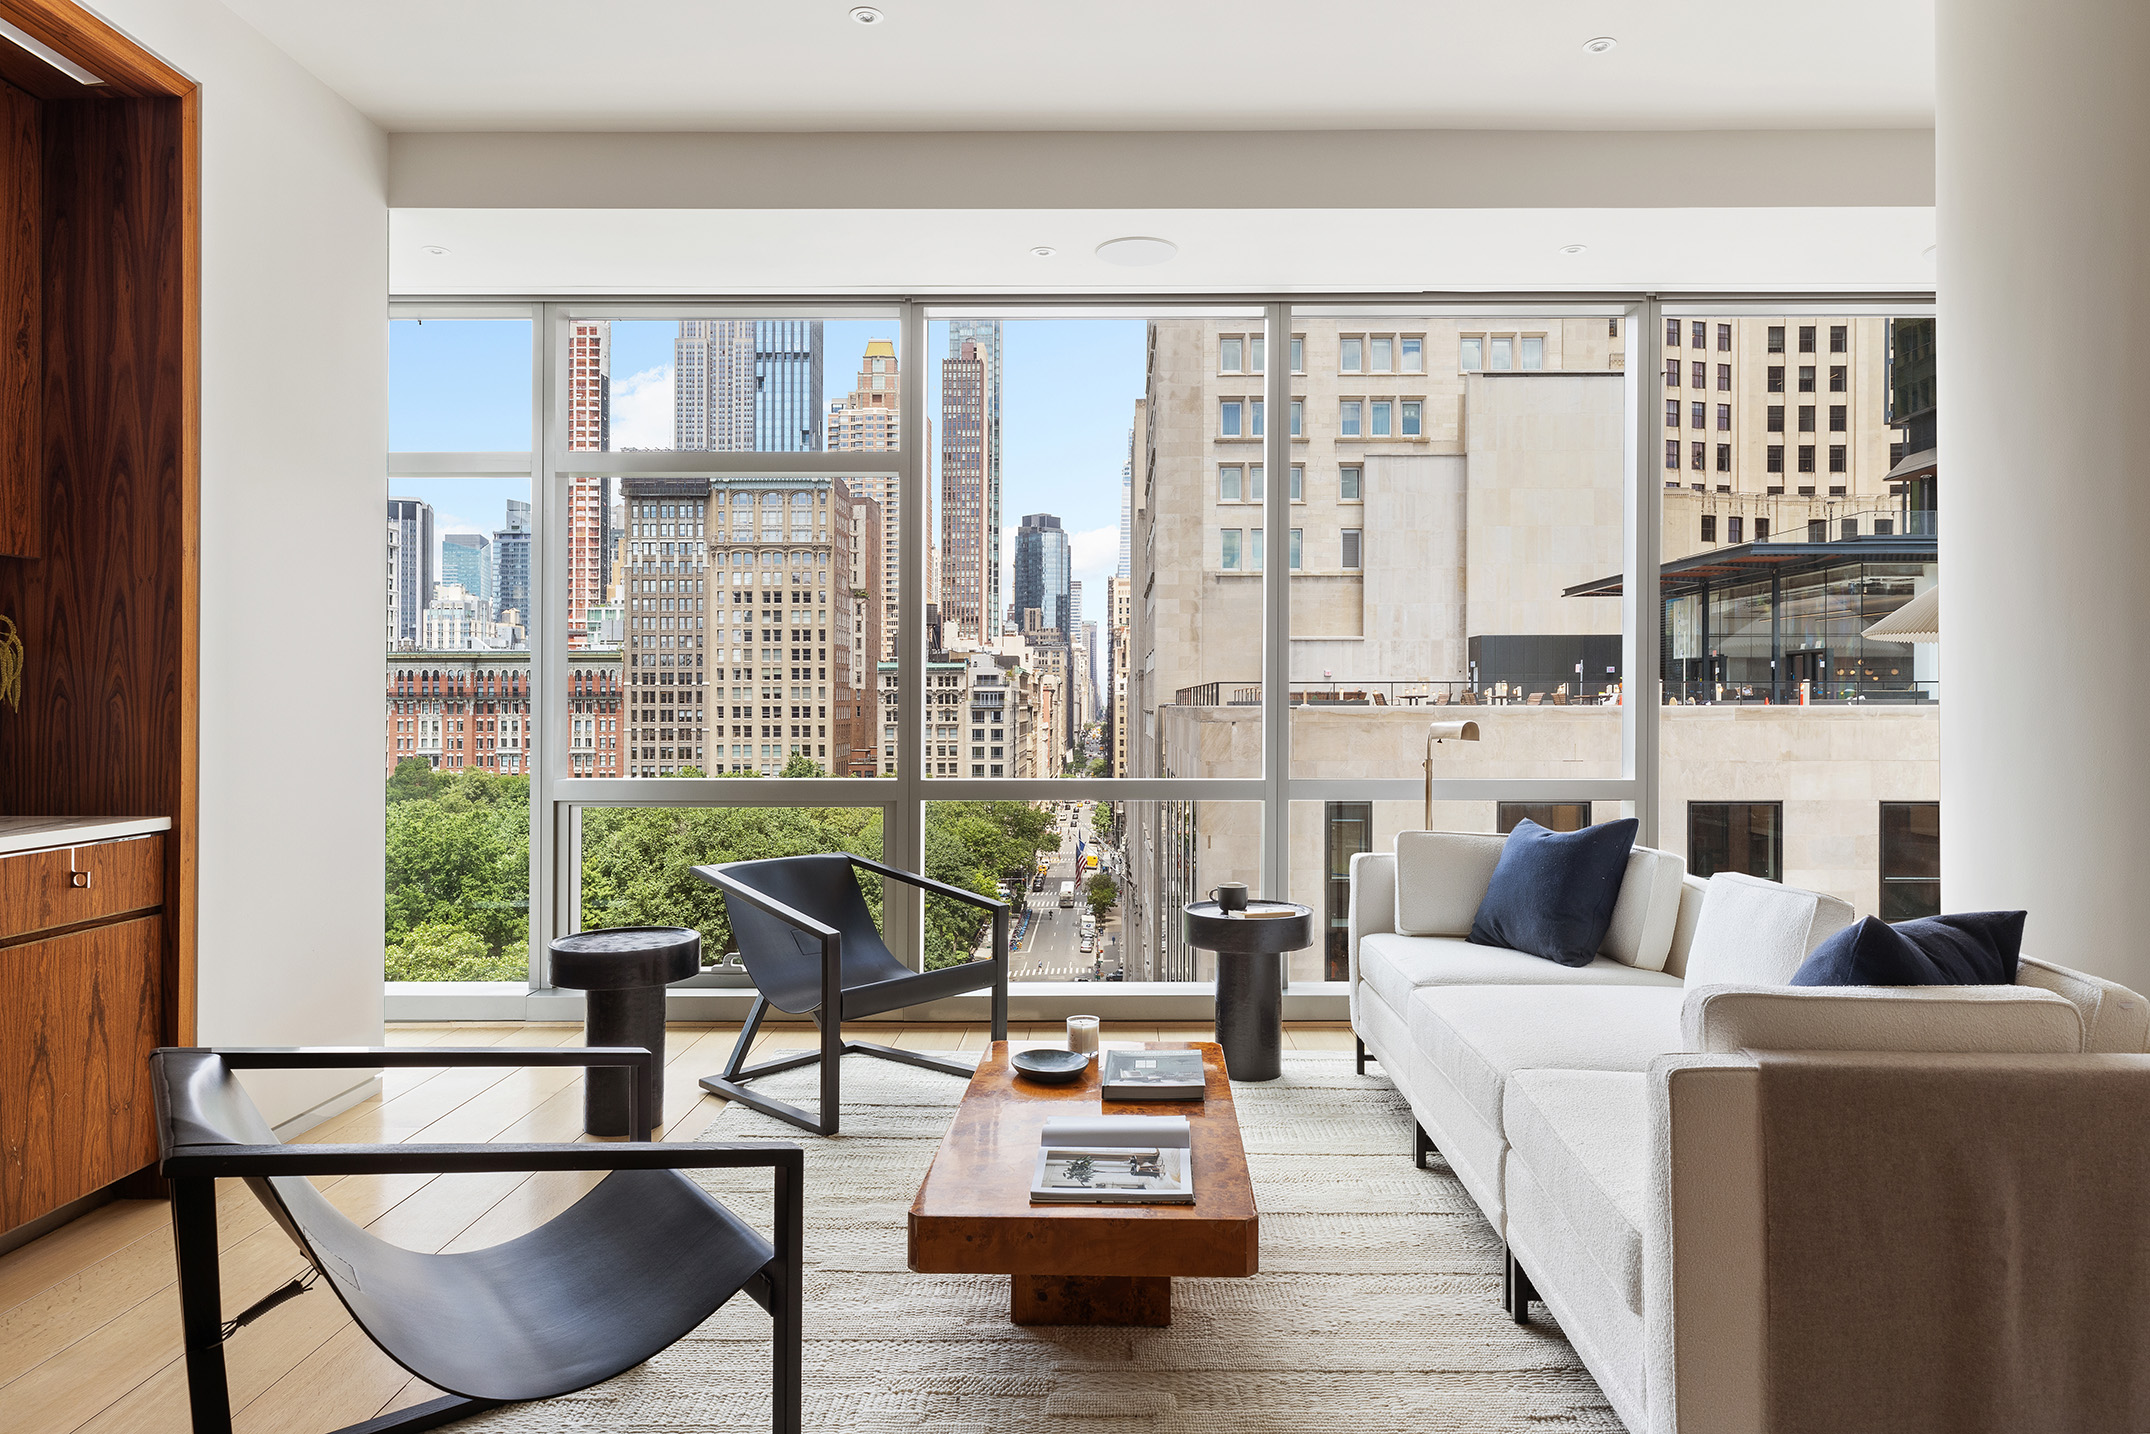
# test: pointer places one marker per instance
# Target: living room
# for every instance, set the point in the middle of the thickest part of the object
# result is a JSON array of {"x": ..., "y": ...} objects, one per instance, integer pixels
[{"x": 1068, "y": 490}]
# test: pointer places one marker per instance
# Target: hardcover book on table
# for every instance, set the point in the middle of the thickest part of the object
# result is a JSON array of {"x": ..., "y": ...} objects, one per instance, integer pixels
[
  {"x": 1151, "y": 1075},
  {"x": 1114, "y": 1160}
]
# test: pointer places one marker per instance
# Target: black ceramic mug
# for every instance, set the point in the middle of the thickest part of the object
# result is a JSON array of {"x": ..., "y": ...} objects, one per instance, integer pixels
[{"x": 1231, "y": 896}]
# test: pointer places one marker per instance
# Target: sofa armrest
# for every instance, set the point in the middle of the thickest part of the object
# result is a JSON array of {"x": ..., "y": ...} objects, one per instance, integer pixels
[
  {"x": 2115, "y": 1018},
  {"x": 1972, "y": 1020},
  {"x": 1373, "y": 902}
]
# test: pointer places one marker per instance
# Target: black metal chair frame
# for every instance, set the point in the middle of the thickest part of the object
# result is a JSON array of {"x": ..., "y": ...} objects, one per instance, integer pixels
[
  {"x": 194, "y": 1170},
  {"x": 731, "y": 1082}
]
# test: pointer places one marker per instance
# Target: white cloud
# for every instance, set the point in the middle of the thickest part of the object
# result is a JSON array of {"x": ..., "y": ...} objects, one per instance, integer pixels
[{"x": 642, "y": 412}]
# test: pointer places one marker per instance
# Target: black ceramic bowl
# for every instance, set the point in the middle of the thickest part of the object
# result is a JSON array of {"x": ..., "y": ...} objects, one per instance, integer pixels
[{"x": 1050, "y": 1067}]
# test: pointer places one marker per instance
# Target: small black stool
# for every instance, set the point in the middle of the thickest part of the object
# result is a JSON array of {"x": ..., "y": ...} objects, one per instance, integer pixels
[
  {"x": 625, "y": 970},
  {"x": 1250, "y": 978}
]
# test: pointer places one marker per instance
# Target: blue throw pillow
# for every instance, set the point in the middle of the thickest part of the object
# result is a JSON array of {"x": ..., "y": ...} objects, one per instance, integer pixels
[
  {"x": 1553, "y": 893},
  {"x": 1977, "y": 948}
]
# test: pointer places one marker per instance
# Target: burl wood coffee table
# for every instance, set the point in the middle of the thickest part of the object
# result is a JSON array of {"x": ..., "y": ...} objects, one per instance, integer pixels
[{"x": 1080, "y": 1264}]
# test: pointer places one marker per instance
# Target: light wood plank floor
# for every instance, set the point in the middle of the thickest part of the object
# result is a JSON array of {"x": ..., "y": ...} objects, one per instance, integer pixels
[{"x": 89, "y": 1315}]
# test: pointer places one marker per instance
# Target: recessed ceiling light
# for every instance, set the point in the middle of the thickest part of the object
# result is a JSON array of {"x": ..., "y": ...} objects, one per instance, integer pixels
[
  {"x": 1599, "y": 45},
  {"x": 434, "y": 249},
  {"x": 1135, "y": 251},
  {"x": 1573, "y": 248},
  {"x": 866, "y": 15},
  {"x": 1043, "y": 251}
]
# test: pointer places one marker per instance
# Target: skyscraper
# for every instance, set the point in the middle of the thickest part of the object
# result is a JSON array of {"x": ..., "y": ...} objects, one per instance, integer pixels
[
  {"x": 1127, "y": 507},
  {"x": 747, "y": 386},
  {"x": 511, "y": 564},
  {"x": 589, "y": 429},
  {"x": 413, "y": 520},
  {"x": 866, "y": 422},
  {"x": 985, "y": 335},
  {"x": 970, "y": 563},
  {"x": 467, "y": 559},
  {"x": 1042, "y": 579}
]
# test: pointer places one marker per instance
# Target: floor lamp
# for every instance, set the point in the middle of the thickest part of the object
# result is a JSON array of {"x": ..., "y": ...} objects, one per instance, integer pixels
[{"x": 1443, "y": 732}]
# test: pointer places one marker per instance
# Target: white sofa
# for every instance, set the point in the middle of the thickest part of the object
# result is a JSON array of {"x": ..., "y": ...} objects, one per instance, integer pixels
[{"x": 1571, "y": 1101}]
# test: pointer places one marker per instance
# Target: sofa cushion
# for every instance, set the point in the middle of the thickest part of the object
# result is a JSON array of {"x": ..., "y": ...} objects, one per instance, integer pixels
[
  {"x": 1553, "y": 893},
  {"x": 1395, "y": 966},
  {"x": 1440, "y": 879},
  {"x": 1970, "y": 1020},
  {"x": 1975, "y": 948},
  {"x": 1648, "y": 912},
  {"x": 1585, "y": 1137},
  {"x": 1477, "y": 1036},
  {"x": 1757, "y": 933},
  {"x": 2115, "y": 1018}
]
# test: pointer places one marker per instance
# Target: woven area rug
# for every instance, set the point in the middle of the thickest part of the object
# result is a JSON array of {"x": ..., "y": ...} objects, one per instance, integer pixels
[{"x": 1377, "y": 1309}]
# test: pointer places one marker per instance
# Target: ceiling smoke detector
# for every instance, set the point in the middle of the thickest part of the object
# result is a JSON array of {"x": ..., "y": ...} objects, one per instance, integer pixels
[
  {"x": 1599, "y": 45},
  {"x": 1136, "y": 251},
  {"x": 434, "y": 249},
  {"x": 866, "y": 15},
  {"x": 1043, "y": 251},
  {"x": 1573, "y": 248}
]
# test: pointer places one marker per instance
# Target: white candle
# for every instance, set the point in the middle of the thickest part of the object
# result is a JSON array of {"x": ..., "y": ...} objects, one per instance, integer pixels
[{"x": 1082, "y": 1034}]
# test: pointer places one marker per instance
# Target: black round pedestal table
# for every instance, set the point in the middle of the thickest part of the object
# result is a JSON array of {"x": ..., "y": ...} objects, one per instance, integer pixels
[
  {"x": 625, "y": 970},
  {"x": 1250, "y": 978}
]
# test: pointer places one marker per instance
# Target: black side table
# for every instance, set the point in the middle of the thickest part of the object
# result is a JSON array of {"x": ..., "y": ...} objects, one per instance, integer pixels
[
  {"x": 1250, "y": 978},
  {"x": 625, "y": 970}
]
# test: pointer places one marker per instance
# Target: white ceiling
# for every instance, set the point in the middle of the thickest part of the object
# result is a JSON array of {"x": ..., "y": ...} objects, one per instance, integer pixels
[{"x": 1114, "y": 64}]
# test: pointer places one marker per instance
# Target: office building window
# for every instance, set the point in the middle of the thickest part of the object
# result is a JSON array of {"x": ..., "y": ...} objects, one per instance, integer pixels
[
  {"x": 1254, "y": 353},
  {"x": 1228, "y": 418},
  {"x": 1381, "y": 353},
  {"x": 1413, "y": 424},
  {"x": 1806, "y": 378},
  {"x": 1839, "y": 378},
  {"x": 1348, "y": 419},
  {"x": 1700, "y": 377},
  {"x": 1298, "y": 353},
  {"x": 1533, "y": 346},
  {"x": 1348, "y": 479},
  {"x": 1709, "y": 527},
  {"x": 1298, "y": 483},
  {"x": 1806, "y": 418},
  {"x": 1839, "y": 417},
  {"x": 1256, "y": 406},
  {"x": 1348, "y": 832},
  {"x": 1839, "y": 458},
  {"x": 1612, "y": 328},
  {"x": 1806, "y": 338},
  {"x": 1732, "y": 527},
  {"x": 1414, "y": 355},
  {"x": 1351, "y": 357},
  {"x": 1553, "y": 816},
  {"x": 1255, "y": 492},
  {"x": 1380, "y": 414},
  {"x": 1724, "y": 378},
  {"x": 1883, "y": 527},
  {"x": 1698, "y": 415},
  {"x": 1255, "y": 548},
  {"x": 1698, "y": 456},
  {"x": 1761, "y": 530},
  {"x": 1724, "y": 338},
  {"x": 1806, "y": 458},
  {"x": 1776, "y": 338},
  {"x": 1774, "y": 460},
  {"x": 1672, "y": 454},
  {"x": 1471, "y": 354},
  {"x": 1350, "y": 549},
  {"x": 1672, "y": 333},
  {"x": 1672, "y": 373},
  {"x": 1298, "y": 544},
  {"x": 1776, "y": 378},
  {"x": 1744, "y": 837},
  {"x": 1910, "y": 860},
  {"x": 1298, "y": 418},
  {"x": 1839, "y": 338},
  {"x": 1848, "y": 528},
  {"x": 1776, "y": 418},
  {"x": 1724, "y": 418},
  {"x": 1503, "y": 352},
  {"x": 1817, "y": 529},
  {"x": 1672, "y": 413},
  {"x": 1229, "y": 354},
  {"x": 1724, "y": 458},
  {"x": 1228, "y": 484},
  {"x": 1701, "y": 334},
  {"x": 1230, "y": 550}
]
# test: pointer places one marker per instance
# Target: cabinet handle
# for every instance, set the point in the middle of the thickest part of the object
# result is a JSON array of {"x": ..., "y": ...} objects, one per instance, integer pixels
[{"x": 79, "y": 880}]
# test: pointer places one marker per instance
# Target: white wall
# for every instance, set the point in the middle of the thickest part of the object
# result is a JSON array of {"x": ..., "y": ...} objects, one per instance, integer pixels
[
  {"x": 294, "y": 428},
  {"x": 2044, "y": 200}
]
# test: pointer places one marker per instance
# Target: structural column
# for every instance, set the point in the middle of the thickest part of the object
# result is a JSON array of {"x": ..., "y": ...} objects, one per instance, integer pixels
[{"x": 2043, "y": 193}]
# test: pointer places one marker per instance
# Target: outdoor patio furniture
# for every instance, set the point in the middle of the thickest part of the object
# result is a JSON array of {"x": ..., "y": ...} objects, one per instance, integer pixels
[
  {"x": 616, "y": 1278},
  {"x": 810, "y": 946}
]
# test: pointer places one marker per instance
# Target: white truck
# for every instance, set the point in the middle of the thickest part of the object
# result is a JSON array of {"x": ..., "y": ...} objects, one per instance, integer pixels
[{"x": 1067, "y": 893}]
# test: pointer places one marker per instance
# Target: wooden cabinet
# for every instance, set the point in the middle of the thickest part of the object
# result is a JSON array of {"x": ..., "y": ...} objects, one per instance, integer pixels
[{"x": 82, "y": 1004}]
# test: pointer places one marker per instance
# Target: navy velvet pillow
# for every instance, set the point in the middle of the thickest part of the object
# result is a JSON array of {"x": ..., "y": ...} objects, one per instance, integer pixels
[
  {"x": 1977, "y": 948},
  {"x": 1553, "y": 893}
]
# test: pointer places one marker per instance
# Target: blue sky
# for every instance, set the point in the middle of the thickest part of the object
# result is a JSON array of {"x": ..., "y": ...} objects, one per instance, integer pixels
[{"x": 1067, "y": 400}]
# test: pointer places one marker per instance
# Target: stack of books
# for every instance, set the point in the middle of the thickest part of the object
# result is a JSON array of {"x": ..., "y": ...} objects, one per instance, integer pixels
[{"x": 1114, "y": 1160}]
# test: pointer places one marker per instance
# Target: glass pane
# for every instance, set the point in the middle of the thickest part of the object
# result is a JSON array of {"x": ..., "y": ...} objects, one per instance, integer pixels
[
  {"x": 731, "y": 385},
  {"x": 1436, "y": 566},
  {"x": 459, "y": 385},
  {"x": 1160, "y": 856},
  {"x": 1910, "y": 860},
  {"x": 1074, "y": 600},
  {"x": 458, "y": 729},
  {"x": 1780, "y": 705}
]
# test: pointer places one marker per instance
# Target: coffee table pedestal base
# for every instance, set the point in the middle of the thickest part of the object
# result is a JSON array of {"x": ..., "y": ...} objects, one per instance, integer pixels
[{"x": 1091, "y": 1299}]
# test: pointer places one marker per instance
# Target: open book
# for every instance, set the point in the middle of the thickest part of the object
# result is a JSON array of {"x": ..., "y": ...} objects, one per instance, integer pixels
[{"x": 1114, "y": 1160}]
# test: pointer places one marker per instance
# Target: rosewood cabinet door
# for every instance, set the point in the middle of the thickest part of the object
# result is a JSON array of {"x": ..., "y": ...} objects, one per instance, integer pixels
[{"x": 79, "y": 1016}]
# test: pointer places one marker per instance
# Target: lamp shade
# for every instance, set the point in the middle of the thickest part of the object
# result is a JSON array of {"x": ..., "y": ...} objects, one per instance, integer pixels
[{"x": 1918, "y": 620}]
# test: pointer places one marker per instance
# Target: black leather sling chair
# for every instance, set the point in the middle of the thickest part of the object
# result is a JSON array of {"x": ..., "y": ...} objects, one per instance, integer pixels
[
  {"x": 809, "y": 944},
  {"x": 615, "y": 1278}
]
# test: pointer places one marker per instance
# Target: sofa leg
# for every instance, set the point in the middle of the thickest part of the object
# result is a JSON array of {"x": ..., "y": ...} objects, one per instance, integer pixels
[
  {"x": 1516, "y": 1289},
  {"x": 1362, "y": 1053},
  {"x": 1421, "y": 1145}
]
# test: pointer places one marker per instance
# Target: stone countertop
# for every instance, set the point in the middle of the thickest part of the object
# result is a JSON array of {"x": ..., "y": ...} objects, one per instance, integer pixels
[{"x": 40, "y": 833}]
